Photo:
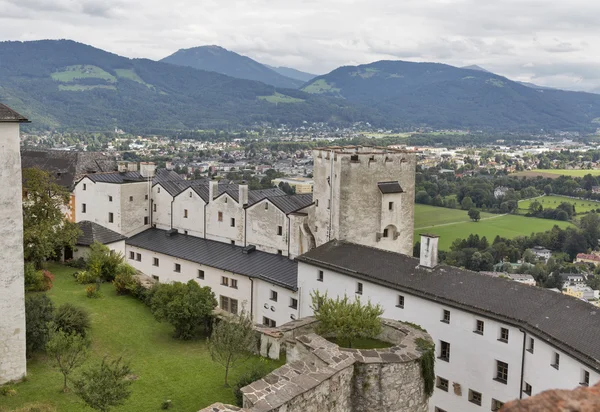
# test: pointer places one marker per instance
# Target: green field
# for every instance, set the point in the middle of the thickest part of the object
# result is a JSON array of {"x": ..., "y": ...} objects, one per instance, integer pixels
[
  {"x": 574, "y": 173},
  {"x": 71, "y": 73},
  {"x": 121, "y": 325},
  {"x": 280, "y": 98},
  {"x": 451, "y": 224},
  {"x": 132, "y": 75},
  {"x": 83, "y": 88},
  {"x": 321, "y": 86},
  {"x": 551, "y": 202}
]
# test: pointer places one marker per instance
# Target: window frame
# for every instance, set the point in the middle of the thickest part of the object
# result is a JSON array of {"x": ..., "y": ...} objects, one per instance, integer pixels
[
  {"x": 111, "y": 217},
  {"x": 444, "y": 351},
  {"x": 155, "y": 262},
  {"x": 138, "y": 257},
  {"x": 586, "y": 378},
  {"x": 359, "y": 288},
  {"x": 177, "y": 268},
  {"x": 279, "y": 230},
  {"x": 442, "y": 383},
  {"x": 320, "y": 276},
  {"x": 200, "y": 275},
  {"x": 501, "y": 372},
  {"x": 273, "y": 295},
  {"x": 83, "y": 208},
  {"x": 528, "y": 389},
  {"x": 475, "y": 397},
  {"x": 556, "y": 359},
  {"x": 479, "y": 330},
  {"x": 400, "y": 301},
  {"x": 445, "y": 316},
  {"x": 224, "y": 281},
  {"x": 232, "y": 222},
  {"x": 131, "y": 255},
  {"x": 185, "y": 213},
  {"x": 504, "y": 334},
  {"x": 234, "y": 283},
  {"x": 496, "y": 405},
  {"x": 293, "y": 303},
  {"x": 219, "y": 216}
]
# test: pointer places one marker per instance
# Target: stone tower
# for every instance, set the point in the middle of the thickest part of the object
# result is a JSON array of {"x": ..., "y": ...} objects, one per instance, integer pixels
[
  {"x": 364, "y": 195},
  {"x": 12, "y": 289}
]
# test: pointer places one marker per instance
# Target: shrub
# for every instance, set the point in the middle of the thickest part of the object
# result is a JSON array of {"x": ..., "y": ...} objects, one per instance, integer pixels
[
  {"x": 72, "y": 319},
  {"x": 256, "y": 373},
  {"x": 8, "y": 390},
  {"x": 103, "y": 262},
  {"x": 39, "y": 310},
  {"x": 85, "y": 277},
  {"x": 37, "y": 280},
  {"x": 79, "y": 263},
  {"x": 92, "y": 291},
  {"x": 125, "y": 282},
  {"x": 48, "y": 279}
]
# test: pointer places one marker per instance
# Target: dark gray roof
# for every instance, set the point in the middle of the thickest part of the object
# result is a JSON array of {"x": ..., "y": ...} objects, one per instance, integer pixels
[
  {"x": 291, "y": 203},
  {"x": 390, "y": 187},
  {"x": 566, "y": 322},
  {"x": 67, "y": 167},
  {"x": 93, "y": 232},
  {"x": 255, "y": 196},
  {"x": 266, "y": 266},
  {"x": 162, "y": 175},
  {"x": 9, "y": 115}
]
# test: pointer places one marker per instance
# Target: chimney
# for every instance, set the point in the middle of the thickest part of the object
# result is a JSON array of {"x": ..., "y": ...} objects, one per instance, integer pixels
[
  {"x": 132, "y": 166},
  {"x": 147, "y": 169},
  {"x": 243, "y": 196},
  {"x": 213, "y": 190},
  {"x": 122, "y": 166},
  {"x": 429, "y": 251}
]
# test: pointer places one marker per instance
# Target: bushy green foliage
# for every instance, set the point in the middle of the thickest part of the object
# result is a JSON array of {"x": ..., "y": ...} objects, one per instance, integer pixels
[
  {"x": 92, "y": 291},
  {"x": 427, "y": 364},
  {"x": 474, "y": 214},
  {"x": 105, "y": 385},
  {"x": 68, "y": 351},
  {"x": 232, "y": 341},
  {"x": 103, "y": 262},
  {"x": 72, "y": 319},
  {"x": 186, "y": 306},
  {"x": 39, "y": 311},
  {"x": 85, "y": 277},
  {"x": 125, "y": 282},
  {"x": 37, "y": 280},
  {"x": 259, "y": 371},
  {"x": 344, "y": 319}
]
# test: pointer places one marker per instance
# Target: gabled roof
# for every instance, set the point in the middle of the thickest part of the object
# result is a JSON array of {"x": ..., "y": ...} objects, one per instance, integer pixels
[
  {"x": 269, "y": 267},
  {"x": 291, "y": 203},
  {"x": 255, "y": 196},
  {"x": 162, "y": 175},
  {"x": 8, "y": 115},
  {"x": 390, "y": 187},
  {"x": 93, "y": 232},
  {"x": 566, "y": 322}
]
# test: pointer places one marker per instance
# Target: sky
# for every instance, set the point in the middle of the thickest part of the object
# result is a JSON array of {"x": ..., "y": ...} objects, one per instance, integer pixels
[{"x": 548, "y": 42}]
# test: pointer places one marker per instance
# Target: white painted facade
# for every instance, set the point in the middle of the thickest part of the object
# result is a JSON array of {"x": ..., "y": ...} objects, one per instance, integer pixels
[
  {"x": 267, "y": 228},
  {"x": 225, "y": 220},
  {"x": 12, "y": 290},
  {"x": 84, "y": 251},
  {"x": 161, "y": 207},
  {"x": 188, "y": 213},
  {"x": 473, "y": 356}
]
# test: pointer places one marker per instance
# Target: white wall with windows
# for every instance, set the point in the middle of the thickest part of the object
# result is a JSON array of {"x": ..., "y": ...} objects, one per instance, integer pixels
[
  {"x": 225, "y": 220},
  {"x": 274, "y": 303},
  {"x": 188, "y": 213},
  {"x": 161, "y": 207},
  {"x": 84, "y": 251},
  {"x": 267, "y": 228},
  {"x": 474, "y": 355},
  {"x": 99, "y": 203}
]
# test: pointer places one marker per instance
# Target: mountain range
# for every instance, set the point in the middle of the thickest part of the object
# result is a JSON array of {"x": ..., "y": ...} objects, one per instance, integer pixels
[{"x": 67, "y": 85}]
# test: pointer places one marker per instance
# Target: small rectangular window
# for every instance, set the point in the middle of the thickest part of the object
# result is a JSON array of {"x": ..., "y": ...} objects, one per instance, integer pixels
[
  {"x": 131, "y": 198},
  {"x": 225, "y": 303},
  {"x": 138, "y": 257},
  {"x": 444, "y": 351},
  {"x": 359, "y": 288},
  {"x": 274, "y": 296},
  {"x": 191, "y": 194},
  {"x": 131, "y": 255},
  {"x": 293, "y": 303},
  {"x": 154, "y": 207},
  {"x": 320, "y": 276},
  {"x": 233, "y": 242},
  {"x": 220, "y": 216},
  {"x": 496, "y": 405},
  {"x": 479, "y": 325},
  {"x": 110, "y": 217},
  {"x": 232, "y": 222},
  {"x": 279, "y": 252},
  {"x": 316, "y": 202},
  {"x": 442, "y": 384},
  {"x": 501, "y": 371},
  {"x": 531, "y": 345},
  {"x": 234, "y": 283},
  {"x": 445, "y": 316},
  {"x": 527, "y": 388},
  {"x": 391, "y": 206},
  {"x": 224, "y": 281},
  {"x": 155, "y": 277},
  {"x": 585, "y": 378},
  {"x": 556, "y": 360},
  {"x": 266, "y": 205},
  {"x": 225, "y": 199},
  {"x": 475, "y": 397},
  {"x": 269, "y": 322},
  {"x": 110, "y": 198},
  {"x": 84, "y": 186},
  {"x": 385, "y": 233},
  {"x": 145, "y": 197},
  {"x": 185, "y": 213},
  {"x": 155, "y": 262},
  {"x": 158, "y": 190},
  {"x": 354, "y": 158},
  {"x": 400, "y": 302},
  {"x": 279, "y": 230},
  {"x": 177, "y": 267},
  {"x": 200, "y": 274},
  {"x": 83, "y": 208},
  {"x": 503, "y": 335},
  {"x": 146, "y": 220}
]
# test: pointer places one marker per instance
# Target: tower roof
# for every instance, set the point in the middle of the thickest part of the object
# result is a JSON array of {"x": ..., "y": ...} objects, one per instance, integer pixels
[{"x": 8, "y": 115}]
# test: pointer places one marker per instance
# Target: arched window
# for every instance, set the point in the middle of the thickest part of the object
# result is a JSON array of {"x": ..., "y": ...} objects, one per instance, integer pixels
[{"x": 390, "y": 232}]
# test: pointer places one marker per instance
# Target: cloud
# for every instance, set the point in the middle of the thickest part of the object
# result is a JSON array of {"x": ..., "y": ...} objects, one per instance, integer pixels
[{"x": 531, "y": 40}]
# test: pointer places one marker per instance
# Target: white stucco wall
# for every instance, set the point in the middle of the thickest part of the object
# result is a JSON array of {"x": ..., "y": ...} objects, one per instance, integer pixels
[
  {"x": 96, "y": 197},
  {"x": 161, "y": 212},
  {"x": 84, "y": 251},
  {"x": 223, "y": 231},
  {"x": 194, "y": 223},
  {"x": 12, "y": 290},
  {"x": 279, "y": 311},
  {"x": 134, "y": 211},
  {"x": 472, "y": 356},
  {"x": 262, "y": 228}
]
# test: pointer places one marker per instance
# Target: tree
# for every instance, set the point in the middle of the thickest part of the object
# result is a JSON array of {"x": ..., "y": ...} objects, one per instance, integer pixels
[
  {"x": 422, "y": 197},
  {"x": 45, "y": 227},
  {"x": 467, "y": 203},
  {"x": 103, "y": 262},
  {"x": 72, "y": 319},
  {"x": 68, "y": 351},
  {"x": 529, "y": 256},
  {"x": 231, "y": 341},
  {"x": 186, "y": 306},
  {"x": 346, "y": 320},
  {"x": 39, "y": 311},
  {"x": 105, "y": 385},
  {"x": 474, "y": 215}
]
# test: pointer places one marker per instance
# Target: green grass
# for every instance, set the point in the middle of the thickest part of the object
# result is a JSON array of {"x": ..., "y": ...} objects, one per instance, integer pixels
[
  {"x": 132, "y": 75},
  {"x": 427, "y": 216},
  {"x": 508, "y": 226},
  {"x": 321, "y": 86},
  {"x": 122, "y": 325},
  {"x": 71, "y": 73},
  {"x": 551, "y": 202},
  {"x": 83, "y": 88},
  {"x": 280, "y": 98},
  {"x": 573, "y": 173},
  {"x": 362, "y": 343}
]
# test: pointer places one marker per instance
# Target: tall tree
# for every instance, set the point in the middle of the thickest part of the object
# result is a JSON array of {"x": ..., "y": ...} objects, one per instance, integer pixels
[
  {"x": 231, "y": 341},
  {"x": 105, "y": 385},
  {"x": 68, "y": 351},
  {"x": 46, "y": 229}
]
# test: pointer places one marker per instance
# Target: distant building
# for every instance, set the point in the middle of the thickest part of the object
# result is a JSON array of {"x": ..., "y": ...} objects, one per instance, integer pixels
[
  {"x": 581, "y": 292},
  {"x": 595, "y": 189},
  {"x": 500, "y": 191},
  {"x": 521, "y": 278},
  {"x": 588, "y": 258},
  {"x": 541, "y": 253},
  {"x": 302, "y": 185}
]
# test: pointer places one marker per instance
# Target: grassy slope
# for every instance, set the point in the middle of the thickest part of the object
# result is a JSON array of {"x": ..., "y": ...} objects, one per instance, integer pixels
[
  {"x": 575, "y": 173},
  {"x": 551, "y": 202},
  {"x": 508, "y": 226},
  {"x": 280, "y": 98},
  {"x": 166, "y": 368},
  {"x": 426, "y": 216},
  {"x": 72, "y": 73}
]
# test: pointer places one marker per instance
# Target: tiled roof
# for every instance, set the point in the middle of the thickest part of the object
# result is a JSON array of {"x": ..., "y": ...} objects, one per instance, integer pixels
[
  {"x": 568, "y": 323},
  {"x": 588, "y": 257},
  {"x": 272, "y": 268},
  {"x": 162, "y": 175},
  {"x": 93, "y": 232},
  {"x": 9, "y": 115},
  {"x": 291, "y": 203},
  {"x": 390, "y": 187}
]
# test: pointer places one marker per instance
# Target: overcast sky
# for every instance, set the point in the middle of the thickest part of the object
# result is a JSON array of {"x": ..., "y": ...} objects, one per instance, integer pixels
[{"x": 548, "y": 42}]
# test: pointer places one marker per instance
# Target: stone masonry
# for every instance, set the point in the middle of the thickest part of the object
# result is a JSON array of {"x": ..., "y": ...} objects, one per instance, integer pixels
[{"x": 321, "y": 376}]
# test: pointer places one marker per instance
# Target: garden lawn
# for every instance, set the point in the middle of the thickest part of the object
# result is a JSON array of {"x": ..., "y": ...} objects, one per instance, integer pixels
[
  {"x": 552, "y": 202},
  {"x": 121, "y": 325},
  {"x": 427, "y": 216},
  {"x": 508, "y": 226}
]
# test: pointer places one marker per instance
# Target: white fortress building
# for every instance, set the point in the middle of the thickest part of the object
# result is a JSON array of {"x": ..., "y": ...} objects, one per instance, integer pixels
[
  {"x": 12, "y": 281},
  {"x": 496, "y": 340}
]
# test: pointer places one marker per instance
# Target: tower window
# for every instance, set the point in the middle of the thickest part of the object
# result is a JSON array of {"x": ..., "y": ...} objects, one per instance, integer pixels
[
  {"x": 391, "y": 206},
  {"x": 185, "y": 213},
  {"x": 83, "y": 208},
  {"x": 232, "y": 222},
  {"x": 84, "y": 186},
  {"x": 385, "y": 233},
  {"x": 110, "y": 198},
  {"x": 220, "y": 216},
  {"x": 266, "y": 205},
  {"x": 191, "y": 194},
  {"x": 110, "y": 217}
]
